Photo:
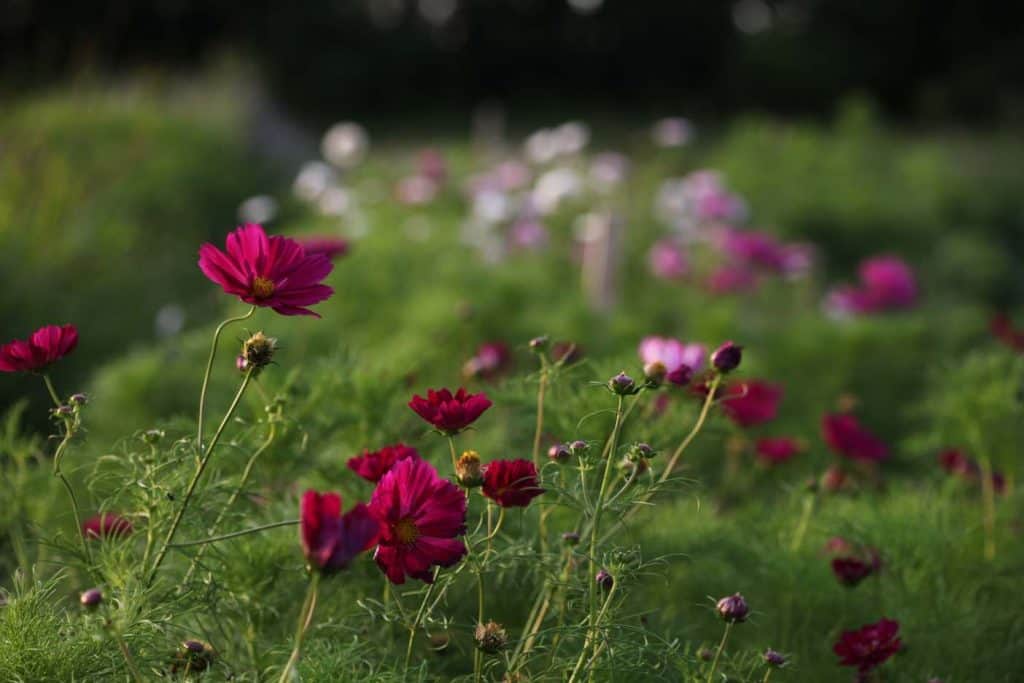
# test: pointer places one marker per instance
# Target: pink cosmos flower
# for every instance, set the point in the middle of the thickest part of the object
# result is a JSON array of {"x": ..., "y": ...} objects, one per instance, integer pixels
[
  {"x": 106, "y": 525},
  {"x": 450, "y": 414},
  {"x": 490, "y": 359},
  {"x": 667, "y": 260},
  {"x": 422, "y": 516},
  {"x": 751, "y": 403},
  {"x": 774, "y": 451},
  {"x": 752, "y": 248},
  {"x": 331, "y": 247},
  {"x": 330, "y": 540},
  {"x": 46, "y": 346},
  {"x": 681, "y": 360},
  {"x": 372, "y": 465},
  {"x": 511, "y": 483},
  {"x": 869, "y": 646},
  {"x": 846, "y": 301},
  {"x": 959, "y": 464},
  {"x": 731, "y": 279},
  {"x": 889, "y": 281},
  {"x": 845, "y": 436},
  {"x": 430, "y": 164},
  {"x": 267, "y": 271}
]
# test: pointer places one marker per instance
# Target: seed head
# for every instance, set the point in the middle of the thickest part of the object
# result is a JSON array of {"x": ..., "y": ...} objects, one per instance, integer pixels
[
  {"x": 491, "y": 637},
  {"x": 468, "y": 470}
]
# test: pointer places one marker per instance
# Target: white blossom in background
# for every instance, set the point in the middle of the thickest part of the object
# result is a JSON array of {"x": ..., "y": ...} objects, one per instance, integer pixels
[
  {"x": 416, "y": 190},
  {"x": 541, "y": 147},
  {"x": 345, "y": 144},
  {"x": 169, "y": 320},
  {"x": 335, "y": 201},
  {"x": 554, "y": 187},
  {"x": 258, "y": 209},
  {"x": 492, "y": 206},
  {"x": 608, "y": 170},
  {"x": 571, "y": 138},
  {"x": 313, "y": 179},
  {"x": 672, "y": 132}
]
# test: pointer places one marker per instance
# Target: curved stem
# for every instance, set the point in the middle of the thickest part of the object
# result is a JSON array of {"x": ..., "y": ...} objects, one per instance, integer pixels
[
  {"x": 305, "y": 618},
  {"x": 53, "y": 392},
  {"x": 236, "y": 534},
  {"x": 209, "y": 369},
  {"x": 708, "y": 400},
  {"x": 195, "y": 478},
  {"x": 718, "y": 652},
  {"x": 58, "y": 456}
]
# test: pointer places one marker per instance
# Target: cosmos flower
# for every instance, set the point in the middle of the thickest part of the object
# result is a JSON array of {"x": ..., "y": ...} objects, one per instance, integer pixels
[
  {"x": 774, "y": 451},
  {"x": 450, "y": 414},
  {"x": 851, "y": 570},
  {"x": 372, "y": 465},
  {"x": 106, "y": 525},
  {"x": 422, "y": 517},
  {"x": 731, "y": 279},
  {"x": 267, "y": 271},
  {"x": 511, "y": 483},
  {"x": 331, "y": 247},
  {"x": 667, "y": 260},
  {"x": 844, "y": 435},
  {"x": 751, "y": 403},
  {"x": 869, "y": 646},
  {"x": 959, "y": 464},
  {"x": 886, "y": 284},
  {"x": 330, "y": 539},
  {"x": 488, "y": 362},
  {"x": 752, "y": 248},
  {"x": 46, "y": 346},
  {"x": 680, "y": 360}
]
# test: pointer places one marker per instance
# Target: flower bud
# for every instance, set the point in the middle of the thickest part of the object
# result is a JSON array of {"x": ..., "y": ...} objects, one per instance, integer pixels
[
  {"x": 559, "y": 452},
  {"x": 439, "y": 642},
  {"x": 490, "y": 638},
  {"x": 604, "y": 580},
  {"x": 79, "y": 399},
  {"x": 727, "y": 357},
  {"x": 64, "y": 411},
  {"x": 194, "y": 655},
  {"x": 258, "y": 351},
  {"x": 539, "y": 344},
  {"x": 622, "y": 384},
  {"x": 468, "y": 470},
  {"x": 773, "y": 658},
  {"x": 655, "y": 372},
  {"x": 706, "y": 654},
  {"x": 91, "y": 598},
  {"x": 733, "y": 608},
  {"x": 578, "y": 447},
  {"x": 152, "y": 436},
  {"x": 570, "y": 538},
  {"x": 640, "y": 451},
  {"x": 833, "y": 480},
  {"x": 241, "y": 364}
]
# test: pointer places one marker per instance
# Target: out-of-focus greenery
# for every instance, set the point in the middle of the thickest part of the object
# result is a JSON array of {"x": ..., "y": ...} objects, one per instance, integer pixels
[{"x": 407, "y": 314}]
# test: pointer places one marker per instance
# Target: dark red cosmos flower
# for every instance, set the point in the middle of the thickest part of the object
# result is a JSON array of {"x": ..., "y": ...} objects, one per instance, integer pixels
[
  {"x": 959, "y": 464},
  {"x": 268, "y": 271},
  {"x": 331, "y": 247},
  {"x": 372, "y": 465},
  {"x": 752, "y": 403},
  {"x": 845, "y": 436},
  {"x": 422, "y": 516},
  {"x": 47, "y": 345},
  {"x": 851, "y": 570},
  {"x": 1002, "y": 329},
  {"x": 450, "y": 414},
  {"x": 511, "y": 483},
  {"x": 106, "y": 525},
  {"x": 330, "y": 540},
  {"x": 774, "y": 451},
  {"x": 869, "y": 646}
]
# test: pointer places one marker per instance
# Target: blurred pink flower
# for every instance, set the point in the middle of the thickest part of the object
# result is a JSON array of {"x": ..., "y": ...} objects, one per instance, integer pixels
[
  {"x": 673, "y": 354},
  {"x": 667, "y": 260},
  {"x": 731, "y": 279}
]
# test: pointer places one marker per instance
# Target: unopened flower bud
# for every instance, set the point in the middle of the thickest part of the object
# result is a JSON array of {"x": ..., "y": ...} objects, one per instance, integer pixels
[
  {"x": 468, "y": 470},
  {"x": 604, "y": 580},
  {"x": 570, "y": 538},
  {"x": 640, "y": 451},
  {"x": 91, "y": 598},
  {"x": 578, "y": 447},
  {"x": 622, "y": 384},
  {"x": 194, "y": 655},
  {"x": 490, "y": 638},
  {"x": 833, "y": 480},
  {"x": 439, "y": 642},
  {"x": 655, "y": 372},
  {"x": 241, "y": 364},
  {"x": 258, "y": 351},
  {"x": 727, "y": 357},
  {"x": 773, "y": 658},
  {"x": 559, "y": 452},
  {"x": 706, "y": 654},
  {"x": 538, "y": 344},
  {"x": 733, "y": 608},
  {"x": 79, "y": 399},
  {"x": 152, "y": 436},
  {"x": 64, "y": 411}
]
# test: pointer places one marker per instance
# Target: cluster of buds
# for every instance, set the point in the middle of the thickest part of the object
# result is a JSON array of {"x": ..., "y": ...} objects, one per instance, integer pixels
[
  {"x": 491, "y": 638},
  {"x": 469, "y": 471},
  {"x": 257, "y": 353}
]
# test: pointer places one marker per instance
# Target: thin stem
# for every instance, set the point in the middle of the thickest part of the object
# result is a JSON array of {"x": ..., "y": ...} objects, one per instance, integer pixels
[
  {"x": 126, "y": 653},
  {"x": 592, "y": 636},
  {"x": 767, "y": 675},
  {"x": 477, "y": 655},
  {"x": 718, "y": 652},
  {"x": 805, "y": 519},
  {"x": 988, "y": 501},
  {"x": 541, "y": 390},
  {"x": 235, "y": 534},
  {"x": 708, "y": 400},
  {"x": 206, "y": 375},
  {"x": 52, "y": 391},
  {"x": 416, "y": 624},
  {"x": 497, "y": 527},
  {"x": 305, "y": 618},
  {"x": 195, "y": 477},
  {"x": 58, "y": 456},
  {"x": 451, "y": 447}
]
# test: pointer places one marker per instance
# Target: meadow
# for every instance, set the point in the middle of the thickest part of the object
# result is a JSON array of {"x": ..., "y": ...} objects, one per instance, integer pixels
[{"x": 854, "y": 464}]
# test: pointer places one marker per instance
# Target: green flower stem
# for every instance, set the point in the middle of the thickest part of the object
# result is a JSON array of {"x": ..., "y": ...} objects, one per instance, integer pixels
[
  {"x": 541, "y": 391},
  {"x": 236, "y": 534},
  {"x": 305, "y": 619},
  {"x": 805, "y": 519},
  {"x": 416, "y": 623},
  {"x": 206, "y": 376},
  {"x": 592, "y": 636},
  {"x": 198, "y": 474},
  {"x": 451, "y": 447},
  {"x": 53, "y": 392},
  {"x": 718, "y": 652}
]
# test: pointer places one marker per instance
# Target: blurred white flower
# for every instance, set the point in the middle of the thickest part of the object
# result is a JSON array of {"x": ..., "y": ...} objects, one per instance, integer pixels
[
  {"x": 608, "y": 170},
  {"x": 345, "y": 144},
  {"x": 335, "y": 201},
  {"x": 492, "y": 206},
  {"x": 314, "y": 177},
  {"x": 571, "y": 138},
  {"x": 554, "y": 187},
  {"x": 169, "y": 321},
  {"x": 672, "y": 132},
  {"x": 541, "y": 147},
  {"x": 258, "y": 209},
  {"x": 415, "y": 190}
]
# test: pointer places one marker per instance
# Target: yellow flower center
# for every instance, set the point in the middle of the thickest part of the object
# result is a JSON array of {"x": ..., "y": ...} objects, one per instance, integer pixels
[
  {"x": 406, "y": 531},
  {"x": 262, "y": 288}
]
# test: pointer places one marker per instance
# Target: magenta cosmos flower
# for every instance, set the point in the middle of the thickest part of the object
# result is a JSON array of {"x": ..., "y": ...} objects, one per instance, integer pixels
[
  {"x": 422, "y": 516},
  {"x": 106, "y": 525},
  {"x": 774, "y": 451},
  {"x": 46, "y": 346},
  {"x": 372, "y": 465},
  {"x": 511, "y": 483},
  {"x": 752, "y": 403},
  {"x": 889, "y": 281},
  {"x": 330, "y": 540},
  {"x": 276, "y": 272},
  {"x": 667, "y": 260},
  {"x": 681, "y": 360},
  {"x": 845, "y": 436},
  {"x": 450, "y": 414},
  {"x": 331, "y": 247},
  {"x": 869, "y": 646},
  {"x": 488, "y": 362}
]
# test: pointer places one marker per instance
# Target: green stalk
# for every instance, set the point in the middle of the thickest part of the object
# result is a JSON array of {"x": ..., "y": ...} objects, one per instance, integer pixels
[{"x": 305, "y": 618}]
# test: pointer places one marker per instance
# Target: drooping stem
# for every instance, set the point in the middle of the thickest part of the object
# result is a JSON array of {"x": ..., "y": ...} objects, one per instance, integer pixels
[
  {"x": 305, "y": 619},
  {"x": 206, "y": 375},
  {"x": 197, "y": 475},
  {"x": 718, "y": 652},
  {"x": 58, "y": 456},
  {"x": 235, "y": 534}
]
